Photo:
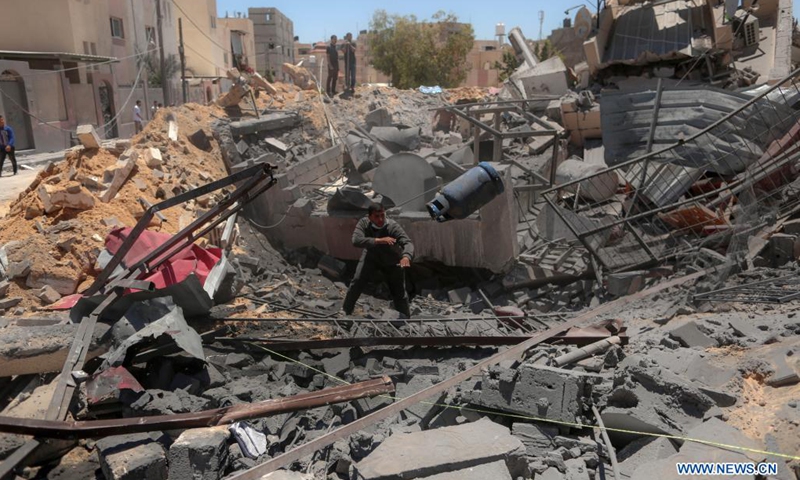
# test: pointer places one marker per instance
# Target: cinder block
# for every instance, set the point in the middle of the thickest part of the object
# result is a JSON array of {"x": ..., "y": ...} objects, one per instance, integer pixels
[{"x": 88, "y": 136}]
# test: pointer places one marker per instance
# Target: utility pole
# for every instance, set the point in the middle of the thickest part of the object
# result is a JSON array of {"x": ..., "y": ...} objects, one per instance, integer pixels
[
  {"x": 164, "y": 79},
  {"x": 183, "y": 60}
]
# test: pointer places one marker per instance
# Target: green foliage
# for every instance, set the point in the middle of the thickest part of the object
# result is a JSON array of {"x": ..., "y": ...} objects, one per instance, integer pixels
[
  {"x": 152, "y": 69},
  {"x": 415, "y": 53},
  {"x": 545, "y": 49},
  {"x": 508, "y": 65}
]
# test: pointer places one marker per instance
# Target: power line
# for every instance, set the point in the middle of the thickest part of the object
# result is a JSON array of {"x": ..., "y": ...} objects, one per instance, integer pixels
[
  {"x": 224, "y": 49},
  {"x": 79, "y": 67}
]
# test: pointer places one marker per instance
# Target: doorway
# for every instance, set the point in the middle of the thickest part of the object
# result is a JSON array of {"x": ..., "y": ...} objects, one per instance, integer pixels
[
  {"x": 108, "y": 111},
  {"x": 15, "y": 103}
]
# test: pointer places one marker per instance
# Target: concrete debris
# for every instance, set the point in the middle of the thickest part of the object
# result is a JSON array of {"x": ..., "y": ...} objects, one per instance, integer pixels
[
  {"x": 444, "y": 450},
  {"x": 128, "y": 457},
  {"x": 689, "y": 335},
  {"x": 88, "y": 136},
  {"x": 200, "y": 453}
]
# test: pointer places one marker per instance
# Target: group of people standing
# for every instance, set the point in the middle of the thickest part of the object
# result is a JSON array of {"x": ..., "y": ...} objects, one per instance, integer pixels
[
  {"x": 138, "y": 121},
  {"x": 348, "y": 48}
]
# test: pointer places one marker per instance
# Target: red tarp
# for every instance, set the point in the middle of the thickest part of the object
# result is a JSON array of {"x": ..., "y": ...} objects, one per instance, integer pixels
[{"x": 192, "y": 259}]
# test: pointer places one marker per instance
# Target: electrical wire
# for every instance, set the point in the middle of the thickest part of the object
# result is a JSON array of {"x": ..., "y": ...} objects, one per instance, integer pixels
[
  {"x": 224, "y": 49},
  {"x": 130, "y": 95},
  {"x": 267, "y": 227},
  {"x": 79, "y": 67}
]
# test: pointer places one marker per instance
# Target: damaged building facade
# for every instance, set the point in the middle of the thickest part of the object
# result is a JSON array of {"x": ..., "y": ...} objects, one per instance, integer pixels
[{"x": 612, "y": 292}]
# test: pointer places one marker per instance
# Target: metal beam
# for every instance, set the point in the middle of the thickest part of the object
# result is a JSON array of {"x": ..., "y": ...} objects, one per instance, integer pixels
[{"x": 205, "y": 418}]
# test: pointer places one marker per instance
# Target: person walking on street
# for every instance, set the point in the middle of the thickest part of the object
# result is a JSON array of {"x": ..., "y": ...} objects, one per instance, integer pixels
[
  {"x": 137, "y": 117},
  {"x": 388, "y": 250},
  {"x": 333, "y": 67},
  {"x": 7, "y": 145},
  {"x": 349, "y": 48},
  {"x": 153, "y": 110}
]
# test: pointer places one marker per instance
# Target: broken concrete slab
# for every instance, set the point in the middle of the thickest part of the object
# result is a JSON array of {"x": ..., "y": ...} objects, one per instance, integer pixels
[
  {"x": 48, "y": 295},
  {"x": 42, "y": 349},
  {"x": 535, "y": 390},
  {"x": 272, "y": 121},
  {"x": 276, "y": 145},
  {"x": 398, "y": 140},
  {"x": 643, "y": 451},
  {"x": 200, "y": 454},
  {"x": 132, "y": 457},
  {"x": 332, "y": 267},
  {"x": 424, "y": 411},
  {"x": 71, "y": 195},
  {"x": 443, "y": 450},
  {"x": 537, "y": 438},
  {"x": 116, "y": 175},
  {"x": 88, "y": 136},
  {"x": 689, "y": 335},
  {"x": 495, "y": 471}
]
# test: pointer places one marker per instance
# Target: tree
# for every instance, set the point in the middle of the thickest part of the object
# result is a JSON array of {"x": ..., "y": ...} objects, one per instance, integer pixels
[
  {"x": 415, "y": 53},
  {"x": 508, "y": 65},
  {"x": 152, "y": 68},
  {"x": 545, "y": 49}
]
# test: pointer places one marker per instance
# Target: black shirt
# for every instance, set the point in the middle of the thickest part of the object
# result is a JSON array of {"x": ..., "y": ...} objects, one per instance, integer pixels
[{"x": 333, "y": 57}]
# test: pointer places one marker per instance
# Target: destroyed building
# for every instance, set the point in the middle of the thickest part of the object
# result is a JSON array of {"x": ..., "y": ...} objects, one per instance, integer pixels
[{"x": 625, "y": 302}]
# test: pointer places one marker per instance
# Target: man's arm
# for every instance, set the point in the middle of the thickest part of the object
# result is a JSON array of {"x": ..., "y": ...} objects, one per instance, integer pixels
[
  {"x": 360, "y": 238},
  {"x": 11, "y": 137},
  {"x": 397, "y": 232}
]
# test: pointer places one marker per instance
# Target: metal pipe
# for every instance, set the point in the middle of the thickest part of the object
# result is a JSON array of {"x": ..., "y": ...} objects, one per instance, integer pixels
[
  {"x": 206, "y": 418},
  {"x": 611, "y": 454},
  {"x": 587, "y": 351}
]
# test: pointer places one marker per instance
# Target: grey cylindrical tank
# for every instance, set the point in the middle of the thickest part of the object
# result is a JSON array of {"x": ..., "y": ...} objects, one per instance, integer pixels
[{"x": 460, "y": 198}]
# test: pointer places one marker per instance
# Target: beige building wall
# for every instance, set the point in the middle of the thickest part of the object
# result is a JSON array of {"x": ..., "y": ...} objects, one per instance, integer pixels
[
  {"x": 481, "y": 59},
  {"x": 244, "y": 28},
  {"x": 50, "y": 17},
  {"x": 204, "y": 47}
]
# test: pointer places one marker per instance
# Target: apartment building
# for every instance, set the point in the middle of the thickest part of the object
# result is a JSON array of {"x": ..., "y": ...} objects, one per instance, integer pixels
[{"x": 274, "y": 40}]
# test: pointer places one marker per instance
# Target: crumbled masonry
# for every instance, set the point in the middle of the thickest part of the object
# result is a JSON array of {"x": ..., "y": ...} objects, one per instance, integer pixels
[{"x": 650, "y": 198}]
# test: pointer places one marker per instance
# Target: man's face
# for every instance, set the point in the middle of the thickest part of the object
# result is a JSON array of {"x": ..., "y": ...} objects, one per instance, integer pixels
[
  {"x": 2, "y": 122},
  {"x": 333, "y": 40},
  {"x": 378, "y": 218}
]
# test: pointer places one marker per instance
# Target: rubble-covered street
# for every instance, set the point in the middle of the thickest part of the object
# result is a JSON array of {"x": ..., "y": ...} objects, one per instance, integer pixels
[{"x": 615, "y": 292}]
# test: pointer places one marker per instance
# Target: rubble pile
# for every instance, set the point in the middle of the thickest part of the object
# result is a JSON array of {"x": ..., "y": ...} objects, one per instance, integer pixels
[
  {"x": 625, "y": 302},
  {"x": 56, "y": 229}
]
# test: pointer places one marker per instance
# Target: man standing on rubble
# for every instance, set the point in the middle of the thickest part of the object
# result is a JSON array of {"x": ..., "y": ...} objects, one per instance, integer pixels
[
  {"x": 7, "y": 145},
  {"x": 333, "y": 67},
  {"x": 388, "y": 250},
  {"x": 349, "y": 49},
  {"x": 137, "y": 117}
]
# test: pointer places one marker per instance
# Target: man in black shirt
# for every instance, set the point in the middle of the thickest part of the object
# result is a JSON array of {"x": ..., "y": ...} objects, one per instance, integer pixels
[
  {"x": 349, "y": 49},
  {"x": 333, "y": 67},
  {"x": 387, "y": 249}
]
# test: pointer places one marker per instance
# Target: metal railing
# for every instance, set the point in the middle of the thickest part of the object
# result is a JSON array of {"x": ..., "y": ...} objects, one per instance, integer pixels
[{"x": 715, "y": 187}]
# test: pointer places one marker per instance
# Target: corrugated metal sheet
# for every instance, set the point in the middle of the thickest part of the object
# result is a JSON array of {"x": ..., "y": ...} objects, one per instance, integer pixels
[
  {"x": 651, "y": 32},
  {"x": 626, "y": 118}
]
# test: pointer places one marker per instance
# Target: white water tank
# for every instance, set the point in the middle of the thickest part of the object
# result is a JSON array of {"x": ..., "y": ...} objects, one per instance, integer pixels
[{"x": 500, "y": 30}]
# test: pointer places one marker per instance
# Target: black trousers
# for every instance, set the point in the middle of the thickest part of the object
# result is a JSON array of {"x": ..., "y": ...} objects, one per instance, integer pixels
[
  {"x": 330, "y": 87},
  {"x": 367, "y": 272},
  {"x": 10, "y": 155}
]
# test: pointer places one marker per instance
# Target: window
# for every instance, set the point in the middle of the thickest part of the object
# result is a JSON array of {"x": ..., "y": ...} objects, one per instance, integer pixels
[
  {"x": 150, "y": 34},
  {"x": 268, "y": 16},
  {"x": 213, "y": 22},
  {"x": 225, "y": 58},
  {"x": 116, "y": 28}
]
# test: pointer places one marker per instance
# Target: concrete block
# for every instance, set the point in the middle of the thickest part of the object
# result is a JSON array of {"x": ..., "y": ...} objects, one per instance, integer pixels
[
  {"x": 782, "y": 248},
  {"x": 276, "y": 145},
  {"x": 132, "y": 457},
  {"x": 48, "y": 295},
  {"x": 200, "y": 140},
  {"x": 792, "y": 227},
  {"x": 625, "y": 283},
  {"x": 459, "y": 295},
  {"x": 424, "y": 411},
  {"x": 152, "y": 157},
  {"x": 9, "y": 303},
  {"x": 380, "y": 117},
  {"x": 242, "y": 147},
  {"x": 534, "y": 390},
  {"x": 338, "y": 364},
  {"x": 367, "y": 405},
  {"x": 88, "y": 136},
  {"x": 117, "y": 175},
  {"x": 538, "y": 439},
  {"x": 72, "y": 195},
  {"x": 273, "y": 121},
  {"x": 443, "y": 450},
  {"x": 332, "y": 267},
  {"x": 689, "y": 335},
  {"x": 199, "y": 454},
  {"x": 4, "y": 287},
  {"x": 494, "y": 471}
]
